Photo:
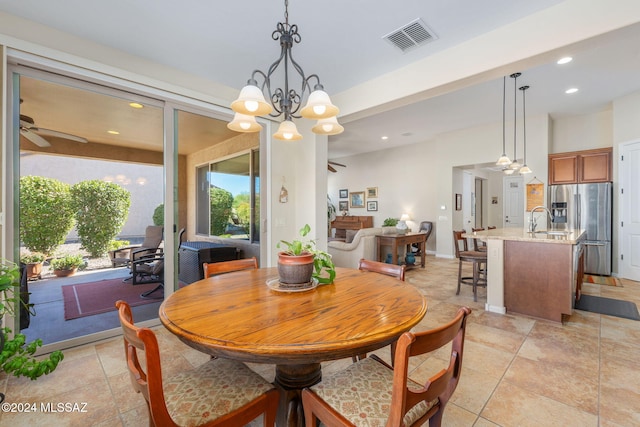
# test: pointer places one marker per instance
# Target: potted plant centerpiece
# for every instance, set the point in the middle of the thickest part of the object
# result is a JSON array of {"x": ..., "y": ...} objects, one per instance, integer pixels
[
  {"x": 16, "y": 356},
  {"x": 33, "y": 262},
  {"x": 66, "y": 265},
  {"x": 301, "y": 262}
]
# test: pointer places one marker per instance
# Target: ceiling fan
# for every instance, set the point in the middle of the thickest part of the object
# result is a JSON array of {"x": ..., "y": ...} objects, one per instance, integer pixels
[
  {"x": 28, "y": 128},
  {"x": 330, "y": 165}
]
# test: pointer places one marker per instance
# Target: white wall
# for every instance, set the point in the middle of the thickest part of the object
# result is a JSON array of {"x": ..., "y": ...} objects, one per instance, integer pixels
[
  {"x": 420, "y": 178},
  {"x": 583, "y": 132},
  {"x": 406, "y": 180}
]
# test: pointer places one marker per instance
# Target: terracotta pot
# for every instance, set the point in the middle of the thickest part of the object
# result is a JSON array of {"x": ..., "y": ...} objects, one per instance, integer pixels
[
  {"x": 34, "y": 270},
  {"x": 294, "y": 269},
  {"x": 65, "y": 273}
]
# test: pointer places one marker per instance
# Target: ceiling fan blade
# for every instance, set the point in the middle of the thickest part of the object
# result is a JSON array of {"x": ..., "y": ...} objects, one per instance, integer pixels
[
  {"x": 36, "y": 139},
  {"x": 337, "y": 164},
  {"x": 331, "y": 168},
  {"x": 57, "y": 134}
]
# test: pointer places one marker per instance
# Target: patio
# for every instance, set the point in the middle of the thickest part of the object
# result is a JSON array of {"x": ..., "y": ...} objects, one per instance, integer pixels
[{"x": 49, "y": 323}]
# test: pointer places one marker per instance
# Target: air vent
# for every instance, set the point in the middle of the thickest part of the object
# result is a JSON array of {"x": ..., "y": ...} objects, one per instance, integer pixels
[{"x": 412, "y": 35}]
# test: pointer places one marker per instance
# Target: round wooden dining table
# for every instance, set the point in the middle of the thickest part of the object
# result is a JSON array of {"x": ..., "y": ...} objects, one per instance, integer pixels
[{"x": 237, "y": 316}]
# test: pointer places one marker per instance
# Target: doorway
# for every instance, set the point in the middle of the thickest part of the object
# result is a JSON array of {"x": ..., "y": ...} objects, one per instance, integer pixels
[
  {"x": 73, "y": 133},
  {"x": 629, "y": 246},
  {"x": 162, "y": 140},
  {"x": 513, "y": 201}
]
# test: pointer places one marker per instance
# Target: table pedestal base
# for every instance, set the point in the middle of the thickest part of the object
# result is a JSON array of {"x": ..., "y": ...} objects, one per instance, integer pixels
[{"x": 291, "y": 379}]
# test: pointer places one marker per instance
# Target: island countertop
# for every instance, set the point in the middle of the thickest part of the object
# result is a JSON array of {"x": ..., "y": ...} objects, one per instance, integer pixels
[{"x": 566, "y": 237}]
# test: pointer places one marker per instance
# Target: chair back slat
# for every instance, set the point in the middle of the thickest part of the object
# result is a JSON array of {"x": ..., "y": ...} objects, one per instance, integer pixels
[
  {"x": 397, "y": 271},
  {"x": 211, "y": 269}
]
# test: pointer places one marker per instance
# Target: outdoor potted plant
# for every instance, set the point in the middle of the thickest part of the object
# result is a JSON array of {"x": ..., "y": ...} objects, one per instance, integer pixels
[
  {"x": 33, "y": 263},
  {"x": 67, "y": 265},
  {"x": 301, "y": 261},
  {"x": 16, "y": 356}
]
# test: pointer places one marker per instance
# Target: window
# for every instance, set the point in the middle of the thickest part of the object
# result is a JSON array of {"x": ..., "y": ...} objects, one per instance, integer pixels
[{"x": 228, "y": 197}]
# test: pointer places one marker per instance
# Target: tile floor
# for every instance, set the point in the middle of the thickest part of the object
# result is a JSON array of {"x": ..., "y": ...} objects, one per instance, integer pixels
[{"x": 517, "y": 371}]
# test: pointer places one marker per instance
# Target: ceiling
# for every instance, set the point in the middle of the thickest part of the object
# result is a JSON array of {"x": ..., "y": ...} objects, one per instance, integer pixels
[{"x": 225, "y": 43}]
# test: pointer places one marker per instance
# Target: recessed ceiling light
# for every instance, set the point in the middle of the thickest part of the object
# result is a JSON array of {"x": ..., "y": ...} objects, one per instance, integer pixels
[
  {"x": 135, "y": 105},
  {"x": 571, "y": 90},
  {"x": 113, "y": 132},
  {"x": 564, "y": 60},
  {"x": 384, "y": 138}
]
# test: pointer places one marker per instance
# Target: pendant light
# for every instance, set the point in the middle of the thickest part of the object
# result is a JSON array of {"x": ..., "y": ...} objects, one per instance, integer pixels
[
  {"x": 524, "y": 169},
  {"x": 514, "y": 166},
  {"x": 285, "y": 101},
  {"x": 504, "y": 159}
]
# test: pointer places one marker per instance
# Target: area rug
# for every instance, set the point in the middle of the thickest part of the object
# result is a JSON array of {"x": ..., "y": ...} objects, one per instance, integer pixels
[
  {"x": 608, "y": 306},
  {"x": 87, "y": 299},
  {"x": 602, "y": 280}
]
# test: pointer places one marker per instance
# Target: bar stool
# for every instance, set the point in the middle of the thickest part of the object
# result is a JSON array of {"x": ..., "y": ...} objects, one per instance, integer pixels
[
  {"x": 477, "y": 258},
  {"x": 479, "y": 245}
]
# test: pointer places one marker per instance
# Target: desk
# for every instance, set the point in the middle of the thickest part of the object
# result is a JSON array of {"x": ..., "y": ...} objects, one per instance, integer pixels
[
  {"x": 237, "y": 316},
  {"x": 396, "y": 240}
]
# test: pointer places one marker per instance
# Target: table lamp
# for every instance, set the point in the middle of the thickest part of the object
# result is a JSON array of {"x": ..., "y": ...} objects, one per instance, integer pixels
[{"x": 401, "y": 226}]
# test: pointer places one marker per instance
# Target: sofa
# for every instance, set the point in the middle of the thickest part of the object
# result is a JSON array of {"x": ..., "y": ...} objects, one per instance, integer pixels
[{"x": 348, "y": 253}]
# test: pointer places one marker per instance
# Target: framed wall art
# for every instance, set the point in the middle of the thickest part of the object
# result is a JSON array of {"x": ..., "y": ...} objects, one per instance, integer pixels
[
  {"x": 372, "y": 192},
  {"x": 458, "y": 202},
  {"x": 356, "y": 199},
  {"x": 343, "y": 206},
  {"x": 344, "y": 194},
  {"x": 372, "y": 205}
]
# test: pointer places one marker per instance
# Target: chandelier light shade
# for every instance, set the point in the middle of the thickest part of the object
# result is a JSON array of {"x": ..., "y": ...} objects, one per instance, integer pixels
[
  {"x": 504, "y": 160},
  {"x": 319, "y": 106},
  {"x": 251, "y": 101},
  {"x": 328, "y": 126},
  {"x": 244, "y": 123},
  {"x": 524, "y": 169},
  {"x": 285, "y": 101},
  {"x": 287, "y": 131}
]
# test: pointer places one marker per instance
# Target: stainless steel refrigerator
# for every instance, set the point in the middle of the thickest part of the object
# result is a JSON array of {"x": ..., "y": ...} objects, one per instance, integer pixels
[{"x": 588, "y": 207}]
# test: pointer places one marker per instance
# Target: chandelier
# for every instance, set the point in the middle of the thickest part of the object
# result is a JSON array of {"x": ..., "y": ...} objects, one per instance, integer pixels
[{"x": 285, "y": 101}]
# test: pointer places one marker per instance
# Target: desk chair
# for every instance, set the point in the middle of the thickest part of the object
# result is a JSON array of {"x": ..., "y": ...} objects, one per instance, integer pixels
[
  {"x": 373, "y": 393},
  {"x": 477, "y": 258},
  {"x": 211, "y": 269},
  {"x": 219, "y": 392}
]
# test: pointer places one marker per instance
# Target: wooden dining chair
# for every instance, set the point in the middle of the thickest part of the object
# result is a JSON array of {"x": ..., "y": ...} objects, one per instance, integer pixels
[
  {"x": 219, "y": 392},
  {"x": 397, "y": 271},
  {"x": 213, "y": 268},
  {"x": 476, "y": 258},
  {"x": 370, "y": 392}
]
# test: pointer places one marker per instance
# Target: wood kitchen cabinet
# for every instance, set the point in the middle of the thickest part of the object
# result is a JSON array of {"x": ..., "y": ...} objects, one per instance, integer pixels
[{"x": 581, "y": 167}]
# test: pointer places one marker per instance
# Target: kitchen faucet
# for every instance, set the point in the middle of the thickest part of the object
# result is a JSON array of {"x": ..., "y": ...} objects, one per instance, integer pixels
[{"x": 532, "y": 222}]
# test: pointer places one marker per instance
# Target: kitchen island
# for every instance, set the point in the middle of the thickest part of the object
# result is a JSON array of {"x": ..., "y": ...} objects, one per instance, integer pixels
[{"x": 536, "y": 274}]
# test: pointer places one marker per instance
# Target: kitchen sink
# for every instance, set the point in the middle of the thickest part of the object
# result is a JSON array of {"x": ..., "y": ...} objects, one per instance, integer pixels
[{"x": 551, "y": 234}]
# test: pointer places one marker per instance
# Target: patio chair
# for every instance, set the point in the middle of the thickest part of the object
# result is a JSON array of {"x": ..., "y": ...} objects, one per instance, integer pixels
[
  {"x": 149, "y": 269},
  {"x": 128, "y": 254},
  {"x": 220, "y": 392}
]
